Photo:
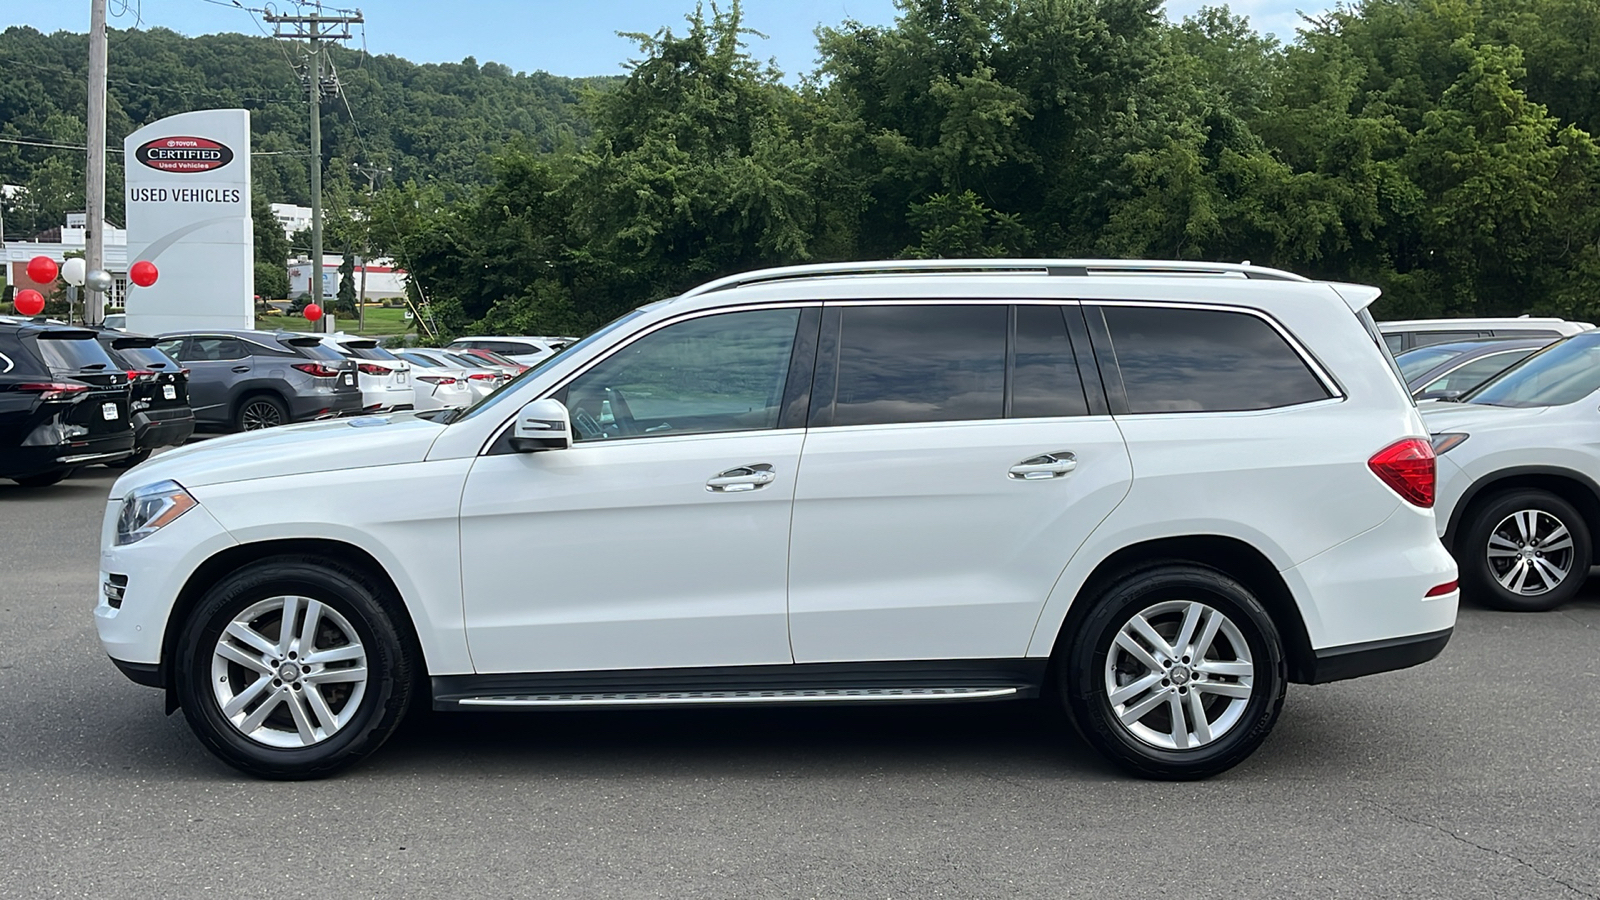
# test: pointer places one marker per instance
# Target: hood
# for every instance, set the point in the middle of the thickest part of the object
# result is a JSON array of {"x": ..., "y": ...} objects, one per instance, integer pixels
[
  {"x": 289, "y": 450},
  {"x": 1442, "y": 417}
]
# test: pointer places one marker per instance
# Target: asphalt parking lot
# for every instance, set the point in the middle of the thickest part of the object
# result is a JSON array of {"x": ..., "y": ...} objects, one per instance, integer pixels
[{"x": 1477, "y": 775}]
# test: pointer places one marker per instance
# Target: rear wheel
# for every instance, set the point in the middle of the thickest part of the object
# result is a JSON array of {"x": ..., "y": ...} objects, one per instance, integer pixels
[
  {"x": 45, "y": 480},
  {"x": 292, "y": 668},
  {"x": 1176, "y": 673},
  {"x": 260, "y": 411},
  {"x": 1524, "y": 551}
]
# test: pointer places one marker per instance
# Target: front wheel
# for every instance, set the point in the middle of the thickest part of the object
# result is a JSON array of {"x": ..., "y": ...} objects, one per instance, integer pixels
[
  {"x": 1176, "y": 673},
  {"x": 292, "y": 668},
  {"x": 1524, "y": 551}
]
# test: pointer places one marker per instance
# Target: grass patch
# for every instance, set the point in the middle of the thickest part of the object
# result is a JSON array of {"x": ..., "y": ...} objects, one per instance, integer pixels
[{"x": 380, "y": 322}]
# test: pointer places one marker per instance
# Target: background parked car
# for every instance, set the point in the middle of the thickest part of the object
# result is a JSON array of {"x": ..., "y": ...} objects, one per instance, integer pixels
[
  {"x": 526, "y": 350},
  {"x": 483, "y": 379},
  {"x": 385, "y": 379},
  {"x": 245, "y": 380},
  {"x": 1519, "y": 477},
  {"x": 439, "y": 386},
  {"x": 494, "y": 360},
  {"x": 1446, "y": 371},
  {"x": 63, "y": 403},
  {"x": 1404, "y": 335},
  {"x": 159, "y": 394}
]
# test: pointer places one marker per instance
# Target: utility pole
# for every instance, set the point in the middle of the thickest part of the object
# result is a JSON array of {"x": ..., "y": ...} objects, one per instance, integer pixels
[
  {"x": 95, "y": 187},
  {"x": 315, "y": 28}
]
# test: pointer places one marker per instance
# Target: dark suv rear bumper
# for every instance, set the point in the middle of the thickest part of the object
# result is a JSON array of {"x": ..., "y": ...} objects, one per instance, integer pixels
[
  {"x": 1372, "y": 657},
  {"x": 23, "y": 462},
  {"x": 163, "y": 427}
]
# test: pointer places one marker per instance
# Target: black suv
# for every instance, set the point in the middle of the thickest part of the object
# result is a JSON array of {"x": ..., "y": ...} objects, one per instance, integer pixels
[
  {"x": 63, "y": 403},
  {"x": 245, "y": 380},
  {"x": 160, "y": 394}
]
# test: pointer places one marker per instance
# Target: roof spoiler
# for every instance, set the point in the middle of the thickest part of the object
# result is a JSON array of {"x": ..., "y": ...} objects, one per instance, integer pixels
[{"x": 1357, "y": 296}]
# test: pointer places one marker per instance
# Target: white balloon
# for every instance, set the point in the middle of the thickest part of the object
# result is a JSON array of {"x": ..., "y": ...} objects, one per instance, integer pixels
[
  {"x": 99, "y": 280},
  {"x": 73, "y": 271}
]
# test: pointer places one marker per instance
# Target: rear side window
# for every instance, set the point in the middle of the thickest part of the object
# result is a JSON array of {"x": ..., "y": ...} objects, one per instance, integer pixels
[
  {"x": 214, "y": 348},
  {"x": 1045, "y": 379},
  {"x": 920, "y": 364},
  {"x": 1424, "y": 338},
  {"x": 74, "y": 354},
  {"x": 1197, "y": 360}
]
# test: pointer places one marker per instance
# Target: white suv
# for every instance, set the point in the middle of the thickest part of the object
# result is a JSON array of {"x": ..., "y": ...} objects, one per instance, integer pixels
[
  {"x": 1519, "y": 477},
  {"x": 1157, "y": 491}
]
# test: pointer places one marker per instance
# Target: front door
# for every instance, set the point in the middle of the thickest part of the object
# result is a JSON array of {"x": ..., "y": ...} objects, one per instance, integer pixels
[
  {"x": 660, "y": 539},
  {"x": 954, "y": 465}
]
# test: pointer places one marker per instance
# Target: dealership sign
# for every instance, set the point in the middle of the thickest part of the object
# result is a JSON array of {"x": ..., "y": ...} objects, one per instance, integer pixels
[
  {"x": 188, "y": 203},
  {"x": 183, "y": 154}
]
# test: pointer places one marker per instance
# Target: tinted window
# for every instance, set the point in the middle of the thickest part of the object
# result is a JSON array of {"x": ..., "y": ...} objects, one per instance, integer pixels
[
  {"x": 711, "y": 374},
  {"x": 509, "y": 347},
  {"x": 467, "y": 362},
  {"x": 1415, "y": 362},
  {"x": 1423, "y": 338},
  {"x": 73, "y": 354},
  {"x": 313, "y": 350},
  {"x": 373, "y": 352},
  {"x": 1465, "y": 378},
  {"x": 920, "y": 364},
  {"x": 420, "y": 360},
  {"x": 1395, "y": 342},
  {"x": 1562, "y": 373},
  {"x": 172, "y": 348},
  {"x": 214, "y": 348},
  {"x": 1045, "y": 381},
  {"x": 146, "y": 358},
  {"x": 1196, "y": 360}
]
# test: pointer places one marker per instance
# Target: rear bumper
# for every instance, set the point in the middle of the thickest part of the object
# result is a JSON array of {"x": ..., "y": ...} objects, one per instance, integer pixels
[
  {"x": 327, "y": 405},
  {"x": 1372, "y": 657},
  {"x": 22, "y": 462},
  {"x": 163, "y": 428}
]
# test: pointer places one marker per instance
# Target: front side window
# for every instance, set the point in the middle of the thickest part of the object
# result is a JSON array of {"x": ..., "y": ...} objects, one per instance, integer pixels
[
  {"x": 1562, "y": 373},
  {"x": 906, "y": 363},
  {"x": 1200, "y": 360},
  {"x": 717, "y": 373},
  {"x": 1465, "y": 378}
]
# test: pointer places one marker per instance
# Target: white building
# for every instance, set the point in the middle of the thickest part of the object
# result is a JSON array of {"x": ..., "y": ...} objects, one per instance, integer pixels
[
  {"x": 57, "y": 242},
  {"x": 384, "y": 280},
  {"x": 292, "y": 218}
]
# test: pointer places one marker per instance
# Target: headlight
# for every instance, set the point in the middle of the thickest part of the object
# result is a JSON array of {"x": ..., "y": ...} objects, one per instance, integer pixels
[
  {"x": 151, "y": 508},
  {"x": 1445, "y": 442}
]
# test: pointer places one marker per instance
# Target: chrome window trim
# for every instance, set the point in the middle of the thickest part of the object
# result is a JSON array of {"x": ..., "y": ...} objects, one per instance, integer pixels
[
  {"x": 9, "y": 364},
  {"x": 1309, "y": 359}
]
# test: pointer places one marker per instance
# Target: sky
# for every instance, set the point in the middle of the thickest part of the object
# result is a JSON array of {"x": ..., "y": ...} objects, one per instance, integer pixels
[{"x": 559, "y": 36}]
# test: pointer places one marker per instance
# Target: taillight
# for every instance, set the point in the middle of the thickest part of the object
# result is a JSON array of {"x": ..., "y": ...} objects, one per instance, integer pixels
[
  {"x": 1439, "y": 590},
  {"x": 137, "y": 375},
  {"x": 483, "y": 376},
  {"x": 317, "y": 370},
  {"x": 370, "y": 369},
  {"x": 52, "y": 390},
  {"x": 1408, "y": 467},
  {"x": 436, "y": 379}
]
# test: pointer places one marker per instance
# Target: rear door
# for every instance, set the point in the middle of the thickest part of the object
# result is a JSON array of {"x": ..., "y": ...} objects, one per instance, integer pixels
[
  {"x": 215, "y": 363},
  {"x": 958, "y": 455}
]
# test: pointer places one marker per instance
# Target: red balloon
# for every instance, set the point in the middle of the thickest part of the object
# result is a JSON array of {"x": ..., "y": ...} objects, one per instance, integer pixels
[
  {"x": 42, "y": 270},
  {"x": 143, "y": 273},
  {"x": 313, "y": 313},
  {"x": 29, "y": 302}
]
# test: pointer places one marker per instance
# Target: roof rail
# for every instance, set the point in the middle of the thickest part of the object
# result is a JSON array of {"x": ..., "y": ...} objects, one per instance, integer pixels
[{"x": 1063, "y": 267}]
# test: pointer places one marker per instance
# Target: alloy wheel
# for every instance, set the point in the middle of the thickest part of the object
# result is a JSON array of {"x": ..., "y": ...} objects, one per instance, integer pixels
[
  {"x": 1530, "y": 552},
  {"x": 289, "y": 672},
  {"x": 260, "y": 414},
  {"x": 1179, "y": 675}
]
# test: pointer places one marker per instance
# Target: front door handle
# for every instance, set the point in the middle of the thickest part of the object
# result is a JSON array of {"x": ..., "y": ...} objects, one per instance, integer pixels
[
  {"x": 743, "y": 478},
  {"x": 1044, "y": 466},
  {"x": 241, "y": 369}
]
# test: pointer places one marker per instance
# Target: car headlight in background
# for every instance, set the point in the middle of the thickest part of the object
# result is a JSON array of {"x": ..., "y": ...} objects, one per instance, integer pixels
[
  {"x": 1446, "y": 441},
  {"x": 151, "y": 508}
]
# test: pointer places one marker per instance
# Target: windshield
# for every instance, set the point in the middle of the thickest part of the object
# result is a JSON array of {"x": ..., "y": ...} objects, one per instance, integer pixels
[
  {"x": 467, "y": 362},
  {"x": 420, "y": 360},
  {"x": 311, "y": 349},
  {"x": 510, "y": 387},
  {"x": 1564, "y": 372},
  {"x": 495, "y": 358},
  {"x": 1415, "y": 362},
  {"x": 361, "y": 351},
  {"x": 146, "y": 358}
]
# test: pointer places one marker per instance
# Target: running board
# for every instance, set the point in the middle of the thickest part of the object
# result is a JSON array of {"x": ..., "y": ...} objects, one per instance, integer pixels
[
  {"x": 715, "y": 698},
  {"x": 912, "y": 681}
]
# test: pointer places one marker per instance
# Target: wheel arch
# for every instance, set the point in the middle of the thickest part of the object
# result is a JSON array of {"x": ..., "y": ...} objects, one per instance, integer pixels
[
  {"x": 258, "y": 389},
  {"x": 233, "y": 558},
  {"x": 1229, "y": 555},
  {"x": 1574, "y": 487}
]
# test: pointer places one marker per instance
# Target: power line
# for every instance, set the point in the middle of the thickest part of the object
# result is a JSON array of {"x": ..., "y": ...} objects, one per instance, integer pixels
[{"x": 52, "y": 145}]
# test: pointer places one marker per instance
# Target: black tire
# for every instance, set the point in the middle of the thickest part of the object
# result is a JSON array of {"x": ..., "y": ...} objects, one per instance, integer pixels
[
  {"x": 260, "y": 411},
  {"x": 1480, "y": 576},
  {"x": 138, "y": 456},
  {"x": 1083, "y": 673},
  {"x": 353, "y": 597},
  {"x": 45, "y": 480}
]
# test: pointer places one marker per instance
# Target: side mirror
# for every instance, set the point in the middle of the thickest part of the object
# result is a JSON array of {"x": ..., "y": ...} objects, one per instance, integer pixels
[{"x": 542, "y": 425}]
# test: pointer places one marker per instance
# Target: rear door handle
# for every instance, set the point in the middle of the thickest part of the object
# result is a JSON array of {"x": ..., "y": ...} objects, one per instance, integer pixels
[
  {"x": 241, "y": 368},
  {"x": 1044, "y": 466},
  {"x": 743, "y": 478}
]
